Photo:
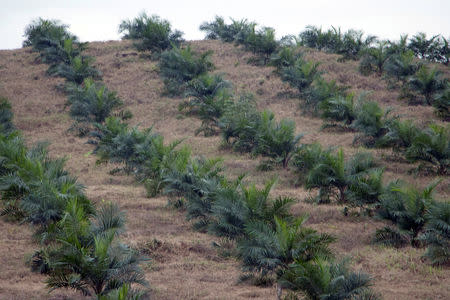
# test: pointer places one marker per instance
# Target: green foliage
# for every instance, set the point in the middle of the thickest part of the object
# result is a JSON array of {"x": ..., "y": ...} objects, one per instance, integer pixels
[
  {"x": 427, "y": 83},
  {"x": 92, "y": 102},
  {"x": 248, "y": 130},
  {"x": 321, "y": 279},
  {"x": 400, "y": 66},
  {"x": 153, "y": 33},
  {"x": 181, "y": 65},
  {"x": 239, "y": 124},
  {"x": 350, "y": 44},
  {"x": 269, "y": 249},
  {"x": 34, "y": 186},
  {"x": 235, "y": 208},
  {"x": 441, "y": 104},
  {"x": 437, "y": 233},
  {"x": 79, "y": 68},
  {"x": 301, "y": 75},
  {"x": 422, "y": 47},
  {"x": 432, "y": 146},
  {"x": 374, "y": 59},
  {"x": 400, "y": 135},
  {"x": 406, "y": 206},
  {"x": 371, "y": 120},
  {"x": 321, "y": 91},
  {"x": 349, "y": 181},
  {"x": 262, "y": 43},
  {"x": 87, "y": 257},
  {"x": 339, "y": 108},
  {"x": 285, "y": 57},
  {"x": 209, "y": 95},
  {"x": 306, "y": 157},
  {"x": 392, "y": 237},
  {"x": 41, "y": 34},
  {"x": 6, "y": 117},
  {"x": 277, "y": 140},
  {"x": 237, "y": 31}
]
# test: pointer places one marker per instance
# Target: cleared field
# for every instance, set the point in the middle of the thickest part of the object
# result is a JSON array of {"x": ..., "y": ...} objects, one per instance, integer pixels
[{"x": 185, "y": 265}]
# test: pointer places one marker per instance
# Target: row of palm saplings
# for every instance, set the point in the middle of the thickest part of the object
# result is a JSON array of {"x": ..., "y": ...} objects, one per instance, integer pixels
[
  {"x": 356, "y": 181},
  {"x": 271, "y": 242}
]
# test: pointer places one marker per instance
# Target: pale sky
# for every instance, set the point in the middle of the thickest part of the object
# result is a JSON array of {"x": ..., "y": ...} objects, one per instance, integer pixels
[{"x": 98, "y": 20}]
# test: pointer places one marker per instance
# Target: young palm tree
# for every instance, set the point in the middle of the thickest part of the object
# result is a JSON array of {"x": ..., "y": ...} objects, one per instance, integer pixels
[
  {"x": 333, "y": 172},
  {"x": 301, "y": 75},
  {"x": 79, "y": 68},
  {"x": 178, "y": 66},
  {"x": 402, "y": 65},
  {"x": 441, "y": 104},
  {"x": 427, "y": 83},
  {"x": 400, "y": 134},
  {"x": 6, "y": 117},
  {"x": 406, "y": 206},
  {"x": 277, "y": 140},
  {"x": 88, "y": 258},
  {"x": 437, "y": 233},
  {"x": 319, "y": 279},
  {"x": 432, "y": 146},
  {"x": 340, "y": 108},
  {"x": 153, "y": 33},
  {"x": 423, "y": 47},
  {"x": 269, "y": 250},
  {"x": 374, "y": 59},
  {"x": 209, "y": 95},
  {"x": 92, "y": 102},
  {"x": 233, "y": 209}
]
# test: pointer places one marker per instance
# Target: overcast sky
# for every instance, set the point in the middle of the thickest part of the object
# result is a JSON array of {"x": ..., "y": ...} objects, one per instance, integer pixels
[{"x": 95, "y": 20}]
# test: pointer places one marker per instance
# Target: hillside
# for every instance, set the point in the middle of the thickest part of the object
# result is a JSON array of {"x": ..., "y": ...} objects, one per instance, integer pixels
[{"x": 185, "y": 265}]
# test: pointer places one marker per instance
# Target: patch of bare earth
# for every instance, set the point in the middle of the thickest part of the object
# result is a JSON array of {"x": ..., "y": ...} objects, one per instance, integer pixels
[{"x": 184, "y": 264}]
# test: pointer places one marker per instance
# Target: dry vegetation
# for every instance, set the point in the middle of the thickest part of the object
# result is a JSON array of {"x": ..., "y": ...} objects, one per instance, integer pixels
[{"x": 184, "y": 264}]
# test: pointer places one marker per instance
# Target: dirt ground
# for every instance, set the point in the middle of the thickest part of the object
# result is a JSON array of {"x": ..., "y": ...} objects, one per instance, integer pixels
[{"x": 184, "y": 263}]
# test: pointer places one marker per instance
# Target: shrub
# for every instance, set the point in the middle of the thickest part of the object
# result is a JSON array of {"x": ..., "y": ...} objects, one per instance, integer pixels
[
  {"x": 340, "y": 108},
  {"x": 432, "y": 146},
  {"x": 269, "y": 250},
  {"x": 345, "y": 179},
  {"x": 322, "y": 279},
  {"x": 427, "y": 83},
  {"x": 406, "y": 206},
  {"x": 236, "y": 208},
  {"x": 41, "y": 34},
  {"x": 437, "y": 233},
  {"x": 400, "y": 66},
  {"x": 262, "y": 43},
  {"x": 88, "y": 257},
  {"x": 301, "y": 75},
  {"x": 374, "y": 59},
  {"x": 277, "y": 140},
  {"x": 239, "y": 124},
  {"x": 237, "y": 31},
  {"x": 320, "y": 91},
  {"x": 77, "y": 70},
  {"x": 399, "y": 135},
  {"x": 6, "y": 117},
  {"x": 422, "y": 47},
  {"x": 180, "y": 65},
  {"x": 92, "y": 102},
  {"x": 441, "y": 104},
  {"x": 153, "y": 33},
  {"x": 285, "y": 57},
  {"x": 209, "y": 96},
  {"x": 371, "y": 120}
]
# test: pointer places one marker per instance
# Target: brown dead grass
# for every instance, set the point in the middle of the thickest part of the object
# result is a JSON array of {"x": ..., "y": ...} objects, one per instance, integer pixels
[{"x": 184, "y": 264}]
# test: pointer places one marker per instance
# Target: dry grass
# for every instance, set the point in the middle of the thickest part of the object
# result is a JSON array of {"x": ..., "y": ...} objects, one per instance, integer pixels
[{"x": 185, "y": 265}]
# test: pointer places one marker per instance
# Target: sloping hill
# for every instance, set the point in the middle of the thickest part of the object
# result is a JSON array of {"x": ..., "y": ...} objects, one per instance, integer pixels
[{"x": 185, "y": 265}]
